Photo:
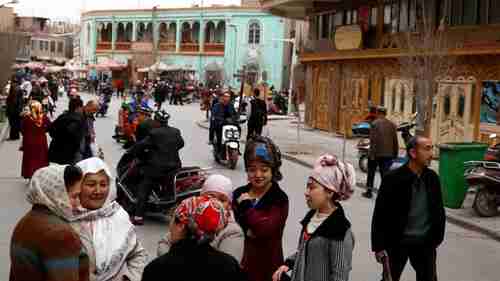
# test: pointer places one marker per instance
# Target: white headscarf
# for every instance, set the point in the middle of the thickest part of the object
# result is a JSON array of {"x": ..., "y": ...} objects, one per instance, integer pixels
[
  {"x": 112, "y": 235},
  {"x": 47, "y": 188},
  {"x": 220, "y": 184}
]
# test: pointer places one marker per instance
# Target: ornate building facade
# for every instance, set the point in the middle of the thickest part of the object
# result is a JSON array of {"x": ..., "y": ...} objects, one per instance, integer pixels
[{"x": 210, "y": 41}]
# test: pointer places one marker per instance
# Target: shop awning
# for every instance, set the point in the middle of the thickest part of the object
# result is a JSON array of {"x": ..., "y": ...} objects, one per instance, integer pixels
[
  {"x": 299, "y": 9},
  {"x": 109, "y": 64}
]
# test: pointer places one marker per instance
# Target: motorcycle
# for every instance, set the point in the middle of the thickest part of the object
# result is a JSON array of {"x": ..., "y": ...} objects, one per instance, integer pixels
[
  {"x": 229, "y": 153},
  {"x": 363, "y": 146},
  {"x": 175, "y": 186},
  {"x": 104, "y": 100},
  {"x": 485, "y": 177}
]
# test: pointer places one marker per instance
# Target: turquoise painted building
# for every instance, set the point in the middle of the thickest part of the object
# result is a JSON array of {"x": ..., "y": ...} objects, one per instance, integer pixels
[{"x": 211, "y": 42}]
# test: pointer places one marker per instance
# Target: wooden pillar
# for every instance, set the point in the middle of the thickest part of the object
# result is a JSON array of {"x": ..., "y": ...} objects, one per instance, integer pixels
[
  {"x": 477, "y": 109},
  {"x": 380, "y": 22}
]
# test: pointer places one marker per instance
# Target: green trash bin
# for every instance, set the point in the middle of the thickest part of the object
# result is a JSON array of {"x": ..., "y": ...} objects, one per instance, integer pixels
[{"x": 451, "y": 170}]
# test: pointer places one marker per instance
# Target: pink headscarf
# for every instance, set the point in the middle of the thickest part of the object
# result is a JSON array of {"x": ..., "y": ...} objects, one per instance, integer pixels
[
  {"x": 335, "y": 175},
  {"x": 220, "y": 184}
]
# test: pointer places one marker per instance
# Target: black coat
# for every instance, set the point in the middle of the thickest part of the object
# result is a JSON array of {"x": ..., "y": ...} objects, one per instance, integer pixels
[
  {"x": 15, "y": 103},
  {"x": 143, "y": 129},
  {"x": 162, "y": 146},
  {"x": 67, "y": 133},
  {"x": 390, "y": 216},
  {"x": 189, "y": 262}
]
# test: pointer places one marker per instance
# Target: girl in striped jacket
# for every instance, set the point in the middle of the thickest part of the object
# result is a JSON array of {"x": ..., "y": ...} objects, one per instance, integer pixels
[{"x": 326, "y": 241}]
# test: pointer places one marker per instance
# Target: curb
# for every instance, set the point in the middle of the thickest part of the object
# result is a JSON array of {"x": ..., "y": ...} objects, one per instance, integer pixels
[{"x": 456, "y": 220}]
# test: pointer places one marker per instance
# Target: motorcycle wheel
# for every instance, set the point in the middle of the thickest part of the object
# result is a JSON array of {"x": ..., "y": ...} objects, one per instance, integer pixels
[
  {"x": 363, "y": 164},
  {"x": 485, "y": 203}
]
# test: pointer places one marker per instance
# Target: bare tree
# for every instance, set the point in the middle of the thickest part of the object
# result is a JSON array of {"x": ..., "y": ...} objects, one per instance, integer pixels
[{"x": 425, "y": 59}]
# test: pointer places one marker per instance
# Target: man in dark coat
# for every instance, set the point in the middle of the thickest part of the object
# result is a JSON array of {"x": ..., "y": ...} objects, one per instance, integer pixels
[
  {"x": 409, "y": 217},
  {"x": 68, "y": 133},
  {"x": 162, "y": 147},
  {"x": 146, "y": 124},
  {"x": 222, "y": 112},
  {"x": 384, "y": 148},
  {"x": 14, "y": 109},
  {"x": 257, "y": 118}
]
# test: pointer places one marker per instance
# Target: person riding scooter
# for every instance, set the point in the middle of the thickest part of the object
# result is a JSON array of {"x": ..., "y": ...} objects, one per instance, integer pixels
[
  {"x": 146, "y": 124},
  {"x": 222, "y": 112},
  {"x": 160, "y": 151}
]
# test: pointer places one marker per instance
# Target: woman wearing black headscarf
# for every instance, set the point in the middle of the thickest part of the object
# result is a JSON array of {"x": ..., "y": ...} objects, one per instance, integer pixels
[{"x": 14, "y": 109}]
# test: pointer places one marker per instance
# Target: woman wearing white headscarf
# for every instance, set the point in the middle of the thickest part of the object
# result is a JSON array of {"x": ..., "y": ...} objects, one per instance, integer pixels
[
  {"x": 105, "y": 228},
  {"x": 326, "y": 241},
  {"x": 44, "y": 246},
  {"x": 229, "y": 240}
]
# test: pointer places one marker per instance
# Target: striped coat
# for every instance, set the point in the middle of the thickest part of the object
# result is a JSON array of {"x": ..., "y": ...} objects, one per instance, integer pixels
[
  {"x": 44, "y": 247},
  {"x": 327, "y": 255}
]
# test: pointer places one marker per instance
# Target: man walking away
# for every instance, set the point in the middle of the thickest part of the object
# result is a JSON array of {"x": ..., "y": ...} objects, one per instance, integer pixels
[
  {"x": 409, "y": 217},
  {"x": 257, "y": 115},
  {"x": 384, "y": 148}
]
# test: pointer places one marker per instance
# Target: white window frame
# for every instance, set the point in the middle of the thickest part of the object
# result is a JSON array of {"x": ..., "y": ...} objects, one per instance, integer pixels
[{"x": 261, "y": 37}]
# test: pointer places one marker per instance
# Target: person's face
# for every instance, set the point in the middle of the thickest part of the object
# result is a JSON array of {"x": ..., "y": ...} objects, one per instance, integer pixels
[
  {"x": 226, "y": 100},
  {"x": 423, "y": 152},
  {"x": 95, "y": 190},
  {"x": 259, "y": 174},
  {"x": 177, "y": 231},
  {"x": 317, "y": 196},
  {"x": 219, "y": 196},
  {"x": 141, "y": 116},
  {"x": 74, "y": 194}
]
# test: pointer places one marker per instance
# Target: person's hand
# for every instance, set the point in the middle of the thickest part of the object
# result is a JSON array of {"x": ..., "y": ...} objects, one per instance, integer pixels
[
  {"x": 380, "y": 256},
  {"x": 244, "y": 197},
  {"x": 278, "y": 273}
]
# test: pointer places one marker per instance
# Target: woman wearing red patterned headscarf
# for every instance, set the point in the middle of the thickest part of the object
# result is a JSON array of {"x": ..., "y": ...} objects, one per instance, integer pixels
[
  {"x": 35, "y": 149},
  {"x": 195, "y": 223}
]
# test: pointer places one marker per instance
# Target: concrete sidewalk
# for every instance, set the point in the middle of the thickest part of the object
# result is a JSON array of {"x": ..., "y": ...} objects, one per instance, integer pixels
[{"x": 314, "y": 143}]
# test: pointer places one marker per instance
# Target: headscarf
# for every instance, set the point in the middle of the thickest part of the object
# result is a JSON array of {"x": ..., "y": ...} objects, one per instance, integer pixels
[
  {"x": 110, "y": 231},
  {"x": 47, "y": 188},
  {"x": 36, "y": 113},
  {"x": 220, "y": 184},
  {"x": 335, "y": 175},
  {"x": 264, "y": 150},
  {"x": 204, "y": 217}
]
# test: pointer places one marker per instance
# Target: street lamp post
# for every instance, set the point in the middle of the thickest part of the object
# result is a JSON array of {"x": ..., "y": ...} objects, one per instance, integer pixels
[
  {"x": 201, "y": 29},
  {"x": 155, "y": 49},
  {"x": 235, "y": 45}
]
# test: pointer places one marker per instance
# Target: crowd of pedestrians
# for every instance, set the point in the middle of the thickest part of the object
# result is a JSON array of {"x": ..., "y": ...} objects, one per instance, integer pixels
[{"x": 225, "y": 233}]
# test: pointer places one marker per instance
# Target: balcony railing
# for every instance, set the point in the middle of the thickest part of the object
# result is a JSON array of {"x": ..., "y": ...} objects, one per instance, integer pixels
[
  {"x": 214, "y": 48},
  {"x": 167, "y": 46},
  {"x": 190, "y": 47},
  {"x": 123, "y": 46},
  {"x": 102, "y": 46}
]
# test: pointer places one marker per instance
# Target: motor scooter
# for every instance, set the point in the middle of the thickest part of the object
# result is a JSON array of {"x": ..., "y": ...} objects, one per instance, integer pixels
[
  {"x": 175, "y": 186},
  {"x": 484, "y": 176},
  {"x": 229, "y": 152}
]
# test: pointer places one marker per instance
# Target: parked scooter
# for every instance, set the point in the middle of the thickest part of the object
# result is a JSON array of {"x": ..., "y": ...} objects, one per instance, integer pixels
[
  {"x": 175, "y": 187},
  {"x": 485, "y": 176},
  {"x": 229, "y": 152}
]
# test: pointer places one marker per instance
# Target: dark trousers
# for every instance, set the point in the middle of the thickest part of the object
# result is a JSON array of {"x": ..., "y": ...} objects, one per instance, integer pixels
[
  {"x": 254, "y": 130},
  {"x": 15, "y": 127},
  {"x": 211, "y": 133},
  {"x": 144, "y": 190},
  {"x": 383, "y": 163},
  {"x": 422, "y": 259}
]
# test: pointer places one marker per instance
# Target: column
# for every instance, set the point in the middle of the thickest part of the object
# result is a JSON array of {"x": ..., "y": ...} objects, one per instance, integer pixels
[
  {"x": 178, "y": 37},
  {"x": 380, "y": 22},
  {"x": 134, "y": 31},
  {"x": 93, "y": 42},
  {"x": 156, "y": 34},
  {"x": 114, "y": 27},
  {"x": 201, "y": 36}
]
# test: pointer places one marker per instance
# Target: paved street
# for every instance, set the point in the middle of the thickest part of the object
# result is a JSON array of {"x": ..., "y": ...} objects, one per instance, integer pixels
[{"x": 465, "y": 255}]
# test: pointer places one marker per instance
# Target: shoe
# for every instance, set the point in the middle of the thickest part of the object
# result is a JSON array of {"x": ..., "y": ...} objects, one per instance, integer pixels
[
  {"x": 138, "y": 221},
  {"x": 368, "y": 194}
]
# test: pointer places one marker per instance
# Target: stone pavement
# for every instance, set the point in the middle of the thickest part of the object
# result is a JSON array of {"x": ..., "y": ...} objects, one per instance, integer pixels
[{"x": 315, "y": 143}]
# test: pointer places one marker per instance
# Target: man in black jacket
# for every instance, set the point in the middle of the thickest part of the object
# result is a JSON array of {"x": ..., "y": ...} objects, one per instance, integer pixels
[
  {"x": 257, "y": 117},
  {"x": 68, "y": 135},
  {"x": 409, "y": 217},
  {"x": 161, "y": 153}
]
